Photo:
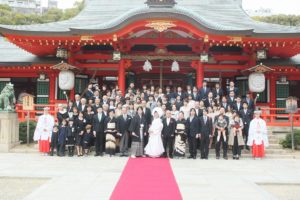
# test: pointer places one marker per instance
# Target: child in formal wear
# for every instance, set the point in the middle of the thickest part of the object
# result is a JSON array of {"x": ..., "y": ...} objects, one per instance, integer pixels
[
  {"x": 87, "y": 139},
  {"x": 54, "y": 141}
]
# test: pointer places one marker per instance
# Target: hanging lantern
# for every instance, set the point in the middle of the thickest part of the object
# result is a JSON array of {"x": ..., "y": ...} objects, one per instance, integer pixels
[
  {"x": 257, "y": 82},
  {"x": 147, "y": 66},
  {"x": 66, "y": 77},
  {"x": 257, "y": 79},
  {"x": 175, "y": 66},
  {"x": 66, "y": 80}
]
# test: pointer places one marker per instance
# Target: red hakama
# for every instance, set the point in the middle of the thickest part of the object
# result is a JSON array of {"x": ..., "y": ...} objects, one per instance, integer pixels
[
  {"x": 258, "y": 151},
  {"x": 44, "y": 146}
]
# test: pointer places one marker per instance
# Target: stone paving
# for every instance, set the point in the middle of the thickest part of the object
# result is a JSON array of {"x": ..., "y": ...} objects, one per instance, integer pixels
[{"x": 92, "y": 178}]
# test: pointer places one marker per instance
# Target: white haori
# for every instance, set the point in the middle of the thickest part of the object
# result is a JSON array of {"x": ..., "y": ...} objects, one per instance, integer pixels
[
  {"x": 44, "y": 127},
  {"x": 258, "y": 133}
]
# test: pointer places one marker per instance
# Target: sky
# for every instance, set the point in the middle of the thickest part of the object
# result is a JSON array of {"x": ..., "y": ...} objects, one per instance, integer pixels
[{"x": 277, "y": 6}]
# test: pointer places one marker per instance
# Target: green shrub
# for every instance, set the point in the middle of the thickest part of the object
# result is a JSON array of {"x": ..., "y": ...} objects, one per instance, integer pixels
[
  {"x": 287, "y": 142},
  {"x": 23, "y": 131}
]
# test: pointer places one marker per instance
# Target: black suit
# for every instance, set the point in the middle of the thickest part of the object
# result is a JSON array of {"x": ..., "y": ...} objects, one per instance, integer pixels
[
  {"x": 224, "y": 143},
  {"x": 82, "y": 108},
  {"x": 98, "y": 127},
  {"x": 95, "y": 107},
  {"x": 208, "y": 102},
  {"x": 225, "y": 106},
  {"x": 148, "y": 117},
  {"x": 123, "y": 128},
  {"x": 199, "y": 112},
  {"x": 219, "y": 92},
  {"x": 230, "y": 101},
  {"x": 237, "y": 107},
  {"x": 203, "y": 93},
  {"x": 168, "y": 134},
  {"x": 235, "y": 90},
  {"x": 206, "y": 131},
  {"x": 246, "y": 116},
  {"x": 195, "y": 97},
  {"x": 193, "y": 128},
  {"x": 250, "y": 102}
]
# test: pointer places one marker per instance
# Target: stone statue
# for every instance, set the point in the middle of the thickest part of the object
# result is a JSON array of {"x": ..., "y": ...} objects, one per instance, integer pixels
[{"x": 7, "y": 98}]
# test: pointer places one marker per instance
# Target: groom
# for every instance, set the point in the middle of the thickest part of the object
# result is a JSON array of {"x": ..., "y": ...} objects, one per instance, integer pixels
[{"x": 168, "y": 133}]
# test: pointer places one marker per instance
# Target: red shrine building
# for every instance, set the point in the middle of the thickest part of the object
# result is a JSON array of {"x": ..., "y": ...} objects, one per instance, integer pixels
[{"x": 110, "y": 41}]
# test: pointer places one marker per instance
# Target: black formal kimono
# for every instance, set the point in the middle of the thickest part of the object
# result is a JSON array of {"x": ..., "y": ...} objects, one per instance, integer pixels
[
  {"x": 138, "y": 128},
  {"x": 123, "y": 124},
  {"x": 193, "y": 128},
  {"x": 180, "y": 138},
  {"x": 98, "y": 127},
  {"x": 206, "y": 130},
  {"x": 110, "y": 131},
  {"x": 71, "y": 134},
  {"x": 168, "y": 134},
  {"x": 87, "y": 140}
]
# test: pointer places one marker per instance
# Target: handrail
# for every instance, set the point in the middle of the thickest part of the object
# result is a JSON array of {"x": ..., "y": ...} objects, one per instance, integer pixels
[{"x": 268, "y": 114}]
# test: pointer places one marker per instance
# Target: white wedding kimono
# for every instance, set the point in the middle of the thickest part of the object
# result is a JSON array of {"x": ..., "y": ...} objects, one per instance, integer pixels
[
  {"x": 258, "y": 133},
  {"x": 44, "y": 127},
  {"x": 155, "y": 146}
]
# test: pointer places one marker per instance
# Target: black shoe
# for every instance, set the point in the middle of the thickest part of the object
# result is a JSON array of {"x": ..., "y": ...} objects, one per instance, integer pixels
[
  {"x": 101, "y": 154},
  {"x": 194, "y": 157},
  {"x": 218, "y": 157},
  {"x": 190, "y": 157},
  {"x": 225, "y": 157},
  {"x": 171, "y": 157},
  {"x": 237, "y": 158},
  {"x": 97, "y": 154}
]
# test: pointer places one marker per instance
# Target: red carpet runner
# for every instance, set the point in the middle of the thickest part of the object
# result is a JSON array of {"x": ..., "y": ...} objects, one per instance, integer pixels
[{"x": 147, "y": 179}]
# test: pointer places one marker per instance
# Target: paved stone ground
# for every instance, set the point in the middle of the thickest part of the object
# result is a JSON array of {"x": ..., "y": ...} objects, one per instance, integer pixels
[{"x": 91, "y": 178}]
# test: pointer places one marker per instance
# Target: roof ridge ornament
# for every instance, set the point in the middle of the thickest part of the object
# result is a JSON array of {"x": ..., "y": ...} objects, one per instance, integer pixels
[{"x": 161, "y": 3}]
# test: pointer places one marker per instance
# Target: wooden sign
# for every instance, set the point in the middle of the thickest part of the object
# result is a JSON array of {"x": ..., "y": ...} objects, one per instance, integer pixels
[{"x": 28, "y": 103}]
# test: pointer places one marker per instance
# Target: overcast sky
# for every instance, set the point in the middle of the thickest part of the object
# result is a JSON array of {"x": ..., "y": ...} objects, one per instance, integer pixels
[{"x": 282, "y": 7}]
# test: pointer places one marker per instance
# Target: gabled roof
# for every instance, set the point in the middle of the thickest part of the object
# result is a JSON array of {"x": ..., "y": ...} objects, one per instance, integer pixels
[{"x": 103, "y": 16}]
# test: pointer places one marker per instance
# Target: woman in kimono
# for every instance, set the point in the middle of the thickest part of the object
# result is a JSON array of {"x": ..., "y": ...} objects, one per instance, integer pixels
[
  {"x": 155, "y": 147},
  {"x": 138, "y": 129},
  {"x": 180, "y": 136},
  {"x": 236, "y": 136},
  {"x": 110, "y": 130},
  {"x": 258, "y": 136},
  {"x": 80, "y": 123}
]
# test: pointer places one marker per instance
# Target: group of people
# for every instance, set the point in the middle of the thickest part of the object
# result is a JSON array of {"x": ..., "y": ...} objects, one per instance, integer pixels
[{"x": 154, "y": 122}]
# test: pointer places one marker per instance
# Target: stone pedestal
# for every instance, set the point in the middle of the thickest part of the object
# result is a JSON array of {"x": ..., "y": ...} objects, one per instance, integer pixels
[{"x": 9, "y": 131}]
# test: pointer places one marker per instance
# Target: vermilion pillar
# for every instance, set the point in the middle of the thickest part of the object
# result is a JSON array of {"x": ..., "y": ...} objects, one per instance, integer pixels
[
  {"x": 199, "y": 74},
  {"x": 52, "y": 80},
  {"x": 121, "y": 76},
  {"x": 273, "y": 91}
]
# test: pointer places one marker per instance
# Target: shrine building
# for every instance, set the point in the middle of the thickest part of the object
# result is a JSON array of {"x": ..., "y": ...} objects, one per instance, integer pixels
[{"x": 111, "y": 40}]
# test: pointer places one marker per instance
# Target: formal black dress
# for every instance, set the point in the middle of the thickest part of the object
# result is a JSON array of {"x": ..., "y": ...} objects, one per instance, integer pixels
[{"x": 80, "y": 127}]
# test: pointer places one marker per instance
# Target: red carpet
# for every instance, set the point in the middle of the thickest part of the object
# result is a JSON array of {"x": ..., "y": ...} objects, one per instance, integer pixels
[{"x": 147, "y": 179}]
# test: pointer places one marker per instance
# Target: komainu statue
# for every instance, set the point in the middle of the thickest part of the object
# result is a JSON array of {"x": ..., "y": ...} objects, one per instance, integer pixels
[{"x": 7, "y": 98}]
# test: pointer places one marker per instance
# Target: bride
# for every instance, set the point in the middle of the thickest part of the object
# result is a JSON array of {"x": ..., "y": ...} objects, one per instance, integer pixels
[{"x": 155, "y": 146}]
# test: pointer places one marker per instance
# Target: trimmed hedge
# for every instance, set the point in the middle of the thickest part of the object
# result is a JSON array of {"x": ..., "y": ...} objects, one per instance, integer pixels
[{"x": 23, "y": 131}]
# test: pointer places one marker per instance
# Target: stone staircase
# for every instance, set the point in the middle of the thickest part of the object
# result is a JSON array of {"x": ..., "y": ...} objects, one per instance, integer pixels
[{"x": 274, "y": 151}]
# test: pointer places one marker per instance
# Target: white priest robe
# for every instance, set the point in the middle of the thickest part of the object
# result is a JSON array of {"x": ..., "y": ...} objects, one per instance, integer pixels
[
  {"x": 258, "y": 133},
  {"x": 44, "y": 127}
]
